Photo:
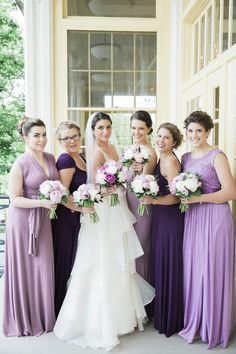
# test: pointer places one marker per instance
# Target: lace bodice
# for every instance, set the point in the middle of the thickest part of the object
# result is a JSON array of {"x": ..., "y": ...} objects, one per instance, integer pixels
[{"x": 204, "y": 167}]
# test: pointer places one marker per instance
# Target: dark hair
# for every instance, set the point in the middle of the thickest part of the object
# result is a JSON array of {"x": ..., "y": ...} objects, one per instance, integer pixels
[
  {"x": 64, "y": 126},
  {"x": 26, "y": 123},
  {"x": 99, "y": 116},
  {"x": 144, "y": 117},
  {"x": 201, "y": 118},
  {"x": 175, "y": 132}
]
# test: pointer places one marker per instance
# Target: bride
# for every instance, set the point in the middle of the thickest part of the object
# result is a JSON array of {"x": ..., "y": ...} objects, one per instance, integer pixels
[{"x": 105, "y": 297}]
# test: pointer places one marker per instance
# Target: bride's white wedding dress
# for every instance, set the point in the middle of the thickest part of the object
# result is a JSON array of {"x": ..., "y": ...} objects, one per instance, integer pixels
[{"x": 105, "y": 297}]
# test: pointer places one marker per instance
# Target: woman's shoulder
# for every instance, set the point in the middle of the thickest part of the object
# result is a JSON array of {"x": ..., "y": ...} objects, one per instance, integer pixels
[{"x": 65, "y": 161}]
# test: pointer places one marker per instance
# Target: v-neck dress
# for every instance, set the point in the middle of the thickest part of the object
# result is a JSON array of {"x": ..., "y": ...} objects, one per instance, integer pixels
[{"x": 29, "y": 263}]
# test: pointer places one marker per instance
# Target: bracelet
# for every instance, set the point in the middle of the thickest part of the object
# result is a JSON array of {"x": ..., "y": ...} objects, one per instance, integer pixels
[{"x": 200, "y": 200}]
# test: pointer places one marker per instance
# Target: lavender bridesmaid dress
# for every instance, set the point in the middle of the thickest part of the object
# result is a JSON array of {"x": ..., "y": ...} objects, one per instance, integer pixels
[
  {"x": 208, "y": 260},
  {"x": 65, "y": 233},
  {"x": 143, "y": 231},
  {"x": 29, "y": 269}
]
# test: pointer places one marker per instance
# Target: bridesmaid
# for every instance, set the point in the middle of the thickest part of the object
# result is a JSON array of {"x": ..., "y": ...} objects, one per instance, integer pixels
[
  {"x": 166, "y": 261},
  {"x": 208, "y": 240},
  {"x": 29, "y": 270},
  {"x": 141, "y": 128},
  {"x": 72, "y": 171}
]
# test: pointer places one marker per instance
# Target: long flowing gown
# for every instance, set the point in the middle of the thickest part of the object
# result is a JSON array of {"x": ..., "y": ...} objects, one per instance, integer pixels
[
  {"x": 29, "y": 265},
  {"x": 166, "y": 263},
  {"x": 65, "y": 233},
  {"x": 105, "y": 297},
  {"x": 142, "y": 227},
  {"x": 208, "y": 260}
]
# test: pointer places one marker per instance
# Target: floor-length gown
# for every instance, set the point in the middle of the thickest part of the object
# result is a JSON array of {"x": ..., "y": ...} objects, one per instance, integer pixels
[
  {"x": 105, "y": 297},
  {"x": 166, "y": 263},
  {"x": 142, "y": 227},
  {"x": 208, "y": 260},
  {"x": 65, "y": 233},
  {"x": 29, "y": 265}
]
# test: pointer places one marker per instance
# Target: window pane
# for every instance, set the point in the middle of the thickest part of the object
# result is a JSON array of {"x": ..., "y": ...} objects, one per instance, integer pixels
[
  {"x": 112, "y": 8},
  {"x": 209, "y": 35},
  {"x": 78, "y": 89},
  {"x": 101, "y": 49},
  {"x": 77, "y": 50},
  {"x": 216, "y": 135},
  {"x": 225, "y": 25},
  {"x": 145, "y": 89},
  {"x": 217, "y": 28},
  {"x": 202, "y": 42},
  {"x": 101, "y": 90},
  {"x": 145, "y": 51},
  {"x": 196, "y": 48},
  {"x": 123, "y": 90},
  {"x": 124, "y": 60},
  {"x": 234, "y": 23}
]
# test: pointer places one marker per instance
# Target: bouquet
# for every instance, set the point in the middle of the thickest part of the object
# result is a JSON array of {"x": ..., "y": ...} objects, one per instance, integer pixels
[
  {"x": 85, "y": 196},
  {"x": 112, "y": 173},
  {"x": 135, "y": 153},
  {"x": 185, "y": 185},
  {"x": 142, "y": 186},
  {"x": 55, "y": 192}
]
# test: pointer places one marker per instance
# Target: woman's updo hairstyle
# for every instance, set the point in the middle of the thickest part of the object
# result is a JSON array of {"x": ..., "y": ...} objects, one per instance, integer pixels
[
  {"x": 26, "y": 124},
  {"x": 64, "y": 126},
  {"x": 201, "y": 118},
  {"x": 99, "y": 116},
  {"x": 175, "y": 132},
  {"x": 144, "y": 117}
]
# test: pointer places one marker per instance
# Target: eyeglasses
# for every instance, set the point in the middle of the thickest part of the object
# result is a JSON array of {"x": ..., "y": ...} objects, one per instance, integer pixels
[{"x": 68, "y": 139}]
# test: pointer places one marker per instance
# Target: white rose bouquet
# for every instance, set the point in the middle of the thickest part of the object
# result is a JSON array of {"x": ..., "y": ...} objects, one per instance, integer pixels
[
  {"x": 185, "y": 185},
  {"x": 142, "y": 186},
  {"x": 55, "y": 192},
  {"x": 112, "y": 173},
  {"x": 135, "y": 153},
  {"x": 85, "y": 196}
]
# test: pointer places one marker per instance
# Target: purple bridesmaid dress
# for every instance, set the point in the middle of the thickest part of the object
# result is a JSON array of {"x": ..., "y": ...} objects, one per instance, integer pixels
[
  {"x": 166, "y": 263},
  {"x": 29, "y": 269},
  {"x": 208, "y": 260},
  {"x": 65, "y": 233}
]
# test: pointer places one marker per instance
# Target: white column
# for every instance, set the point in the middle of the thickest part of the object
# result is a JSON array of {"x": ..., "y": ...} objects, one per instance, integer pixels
[{"x": 39, "y": 62}]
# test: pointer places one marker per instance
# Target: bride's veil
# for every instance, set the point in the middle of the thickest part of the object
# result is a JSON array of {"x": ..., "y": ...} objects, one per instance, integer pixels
[{"x": 89, "y": 148}]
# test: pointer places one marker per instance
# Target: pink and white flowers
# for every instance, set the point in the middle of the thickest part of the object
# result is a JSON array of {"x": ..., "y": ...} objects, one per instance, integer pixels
[
  {"x": 185, "y": 185},
  {"x": 110, "y": 174},
  {"x": 55, "y": 192},
  {"x": 86, "y": 196},
  {"x": 142, "y": 186},
  {"x": 135, "y": 153}
]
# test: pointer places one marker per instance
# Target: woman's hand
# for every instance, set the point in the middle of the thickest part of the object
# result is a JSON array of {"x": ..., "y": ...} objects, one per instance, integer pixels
[
  {"x": 147, "y": 200},
  {"x": 48, "y": 204},
  {"x": 137, "y": 167},
  {"x": 109, "y": 190},
  {"x": 191, "y": 200},
  {"x": 86, "y": 210}
]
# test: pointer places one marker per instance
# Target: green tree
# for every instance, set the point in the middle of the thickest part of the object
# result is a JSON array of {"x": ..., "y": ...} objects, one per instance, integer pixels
[{"x": 11, "y": 85}]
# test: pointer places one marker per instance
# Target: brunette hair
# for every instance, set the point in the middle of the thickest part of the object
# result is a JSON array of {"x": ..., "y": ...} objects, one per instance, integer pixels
[
  {"x": 26, "y": 124},
  {"x": 99, "y": 116},
  {"x": 201, "y": 118},
  {"x": 175, "y": 132},
  {"x": 144, "y": 117}
]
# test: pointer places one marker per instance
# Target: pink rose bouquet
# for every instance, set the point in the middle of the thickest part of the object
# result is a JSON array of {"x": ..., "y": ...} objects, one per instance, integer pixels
[
  {"x": 110, "y": 174},
  {"x": 142, "y": 186},
  {"x": 85, "y": 196},
  {"x": 185, "y": 185},
  {"x": 55, "y": 192},
  {"x": 135, "y": 153}
]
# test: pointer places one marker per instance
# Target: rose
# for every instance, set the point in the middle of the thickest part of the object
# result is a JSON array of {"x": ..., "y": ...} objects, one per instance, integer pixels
[
  {"x": 55, "y": 197},
  {"x": 191, "y": 184},
  {"x": 110, "y": 178},
  {"x": 154, "y": 188},
  {"x": 128, "y": 154},
  {"x": 137, "y": 186},
  {"x": 100, "y": 178}
]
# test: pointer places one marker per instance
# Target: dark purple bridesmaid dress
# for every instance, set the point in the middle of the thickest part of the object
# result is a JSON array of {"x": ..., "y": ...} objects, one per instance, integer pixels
[
  {"x": 166, "y": 263},
  {"x": 65, "y": 233}
]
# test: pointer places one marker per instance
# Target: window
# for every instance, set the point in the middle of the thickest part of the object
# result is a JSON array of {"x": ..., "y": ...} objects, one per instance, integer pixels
[
  {"x": 225, "y": 34},
  {"x": 216, "y": 116}
]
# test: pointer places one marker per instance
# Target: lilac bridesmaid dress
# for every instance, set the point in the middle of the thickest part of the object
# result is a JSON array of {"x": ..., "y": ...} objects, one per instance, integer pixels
[
  {"x": 65, "y": 233},
  {"x": 29, "y": 269},
  {"x": 143, "y": 231},
  {"x": 208, "y": 260}
]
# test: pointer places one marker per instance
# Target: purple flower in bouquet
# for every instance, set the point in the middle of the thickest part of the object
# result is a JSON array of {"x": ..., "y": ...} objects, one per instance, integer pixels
[
  {"x": 142, "y": 186},
  {"x": 85, "y": 196},
  {"x": 185, "y": 185},
  {"x": 112, "y": 173},
  {"x": 135, "y": 153},
  {"x": 55, "y": 192}
]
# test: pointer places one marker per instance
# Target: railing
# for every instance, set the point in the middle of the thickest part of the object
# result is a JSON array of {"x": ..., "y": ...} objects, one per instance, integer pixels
[{"x": 4, "y": 204}]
